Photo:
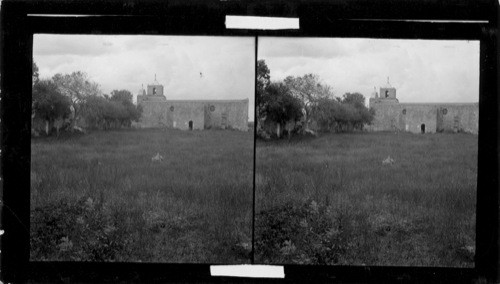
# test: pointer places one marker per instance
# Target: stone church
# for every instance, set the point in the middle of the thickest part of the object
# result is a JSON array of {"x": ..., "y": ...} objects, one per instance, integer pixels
[
  {"x": 391, "y": 115},
  {"x": 157, "y": 111}
]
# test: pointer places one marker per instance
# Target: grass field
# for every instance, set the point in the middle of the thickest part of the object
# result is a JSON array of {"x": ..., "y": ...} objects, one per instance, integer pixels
[
  {"x": 330, "y": 200},
  {"x": 99, "y": 197}
]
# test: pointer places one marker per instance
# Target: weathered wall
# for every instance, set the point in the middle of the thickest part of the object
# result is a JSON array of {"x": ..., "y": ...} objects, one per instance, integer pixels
[
  {"x": 459, "y": 117},
  {"x": 203, "y": 113},
  {"x": 383, "y": 101},
  {"x": 155, "y": 114},
  {"x": 186, "y": 111},
  {"x": 229, "y": 113},
  {"x": 146, "y": 98},
  {"x": 410, "y": 117},
  {"x": 238, "y": 115},
  {"x": 418, "y": 114},
  {"x": 386, "y": 117},
  {"x": 405, "y": 117}
]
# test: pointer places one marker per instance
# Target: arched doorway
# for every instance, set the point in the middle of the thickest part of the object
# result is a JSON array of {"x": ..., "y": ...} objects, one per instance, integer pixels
[
  {"x": 422, "y": 128},
  {"x": 190, "y": 125}
]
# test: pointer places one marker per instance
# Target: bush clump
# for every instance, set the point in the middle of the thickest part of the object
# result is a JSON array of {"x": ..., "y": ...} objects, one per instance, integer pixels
[
  {"x": 81, "y": 230},
  {"x": 307, "y": 233}
]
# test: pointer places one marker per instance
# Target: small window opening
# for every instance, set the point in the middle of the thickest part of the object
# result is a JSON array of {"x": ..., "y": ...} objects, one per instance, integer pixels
[
  {"x": 190, "y": 125},
  {"x": 422, "y": 128},
  {"x": 386, "y": 93}
]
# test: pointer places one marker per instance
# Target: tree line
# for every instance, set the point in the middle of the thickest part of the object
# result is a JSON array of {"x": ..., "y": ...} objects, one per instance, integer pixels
[
  {"x": 303, "y": 104},
  {"x": 74, "y": 101}
]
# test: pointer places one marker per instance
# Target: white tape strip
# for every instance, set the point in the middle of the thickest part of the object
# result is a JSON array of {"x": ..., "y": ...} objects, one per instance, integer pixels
[
  {"x": 247, "y": 270},
  {"x": 261, "y": 23}
]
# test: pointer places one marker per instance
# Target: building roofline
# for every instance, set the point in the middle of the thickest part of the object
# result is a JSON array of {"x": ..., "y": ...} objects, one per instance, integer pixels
[
  {"x": 438, "y": 103},
  {"x": 381, "y": 100},
  {"x": 201, "y": 101}
]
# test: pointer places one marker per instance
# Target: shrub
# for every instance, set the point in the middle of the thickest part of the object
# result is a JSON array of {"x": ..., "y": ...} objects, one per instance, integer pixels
[
  {"x": 307, "y": 233},
  {"x": 76, "y": 231}
]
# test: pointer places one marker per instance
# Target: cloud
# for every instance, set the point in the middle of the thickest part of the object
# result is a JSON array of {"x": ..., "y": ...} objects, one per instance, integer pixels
[
  {"x": 421, "y": 70},
  {"x": 86, "y": 45},
  {"x": 127, "y": 62},
  {"x": 300, "y": 47}
]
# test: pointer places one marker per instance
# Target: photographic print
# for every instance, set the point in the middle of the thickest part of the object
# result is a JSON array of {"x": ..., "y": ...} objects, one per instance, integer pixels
[
  {"x": 366, "y": 152},
  {"x": 142, "y": 148}
]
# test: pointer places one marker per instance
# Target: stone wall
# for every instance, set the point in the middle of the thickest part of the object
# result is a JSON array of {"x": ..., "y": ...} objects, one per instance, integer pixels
[
  {"x": 227, "y": 114},
  {"x": 418, "y": 116},
  {"x": 155, "y": 114},
  {"x": 459, "y": 117},
  {"x": 411, "y": 116},
  {"x": 146, "y": 98},
  {"x": 185, "y": 111},
  {"x": 203, "y": 114},
  {"x": 374, "y": 101}
]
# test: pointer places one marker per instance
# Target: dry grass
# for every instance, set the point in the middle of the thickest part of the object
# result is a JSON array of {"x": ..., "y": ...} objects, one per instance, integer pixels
[
  {"x": 194, "y": 206},
  {"x": 327, "y": 200},
  {"x": 418, "y": 211}
]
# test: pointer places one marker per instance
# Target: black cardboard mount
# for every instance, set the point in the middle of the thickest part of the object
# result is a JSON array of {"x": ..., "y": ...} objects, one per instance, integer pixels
[{"x": 457, "y": 19}]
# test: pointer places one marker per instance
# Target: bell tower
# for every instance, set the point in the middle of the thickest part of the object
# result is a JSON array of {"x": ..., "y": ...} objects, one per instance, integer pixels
[
  {"x": 387, "y": 95},
  {"x": 155, "y": 89},
  {"x": 388, "y": 91},
  {"x": 153, "y": 93}
]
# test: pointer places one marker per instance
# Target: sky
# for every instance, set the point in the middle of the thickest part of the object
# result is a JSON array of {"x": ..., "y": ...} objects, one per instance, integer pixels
[
  {"x": 223, "y": 67},
  {"x": 189, "y": 67},
  {"x": 420, "y": 70}
]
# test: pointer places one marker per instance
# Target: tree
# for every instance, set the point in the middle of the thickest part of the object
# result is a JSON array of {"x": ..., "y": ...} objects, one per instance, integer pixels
[
  {"x": 93, "y": 110},
  {"x": 115, "y": 115},
  {"x": 122, "y": 96},
  {"x": 363, "y": 115},
  {"x": 107, "y": 112},
  {"x": 280, "y": 106},
  {"x": 263, "y": 81},
  {"x": 355, "y": 99},
  {"x": 78, "y": 87},
  {"x": 35, "y": 74},
  {"x": 347, "y": 118},
  {"x": 263, "y": 75},
  {"x": 34, "y": 80},
  {"x": 342, "y": 114},
  {"x": 309, "y": 90},
  {"x": 326, "y": 113},
  {"x": 49, "y": 103},
  {"x": 133, "y": 112}
]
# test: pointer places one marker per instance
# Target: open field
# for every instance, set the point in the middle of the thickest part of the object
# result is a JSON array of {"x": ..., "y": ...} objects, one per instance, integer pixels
[
  {"x": 99, "y": 197},
  {"x": 330, "y": 200}
]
